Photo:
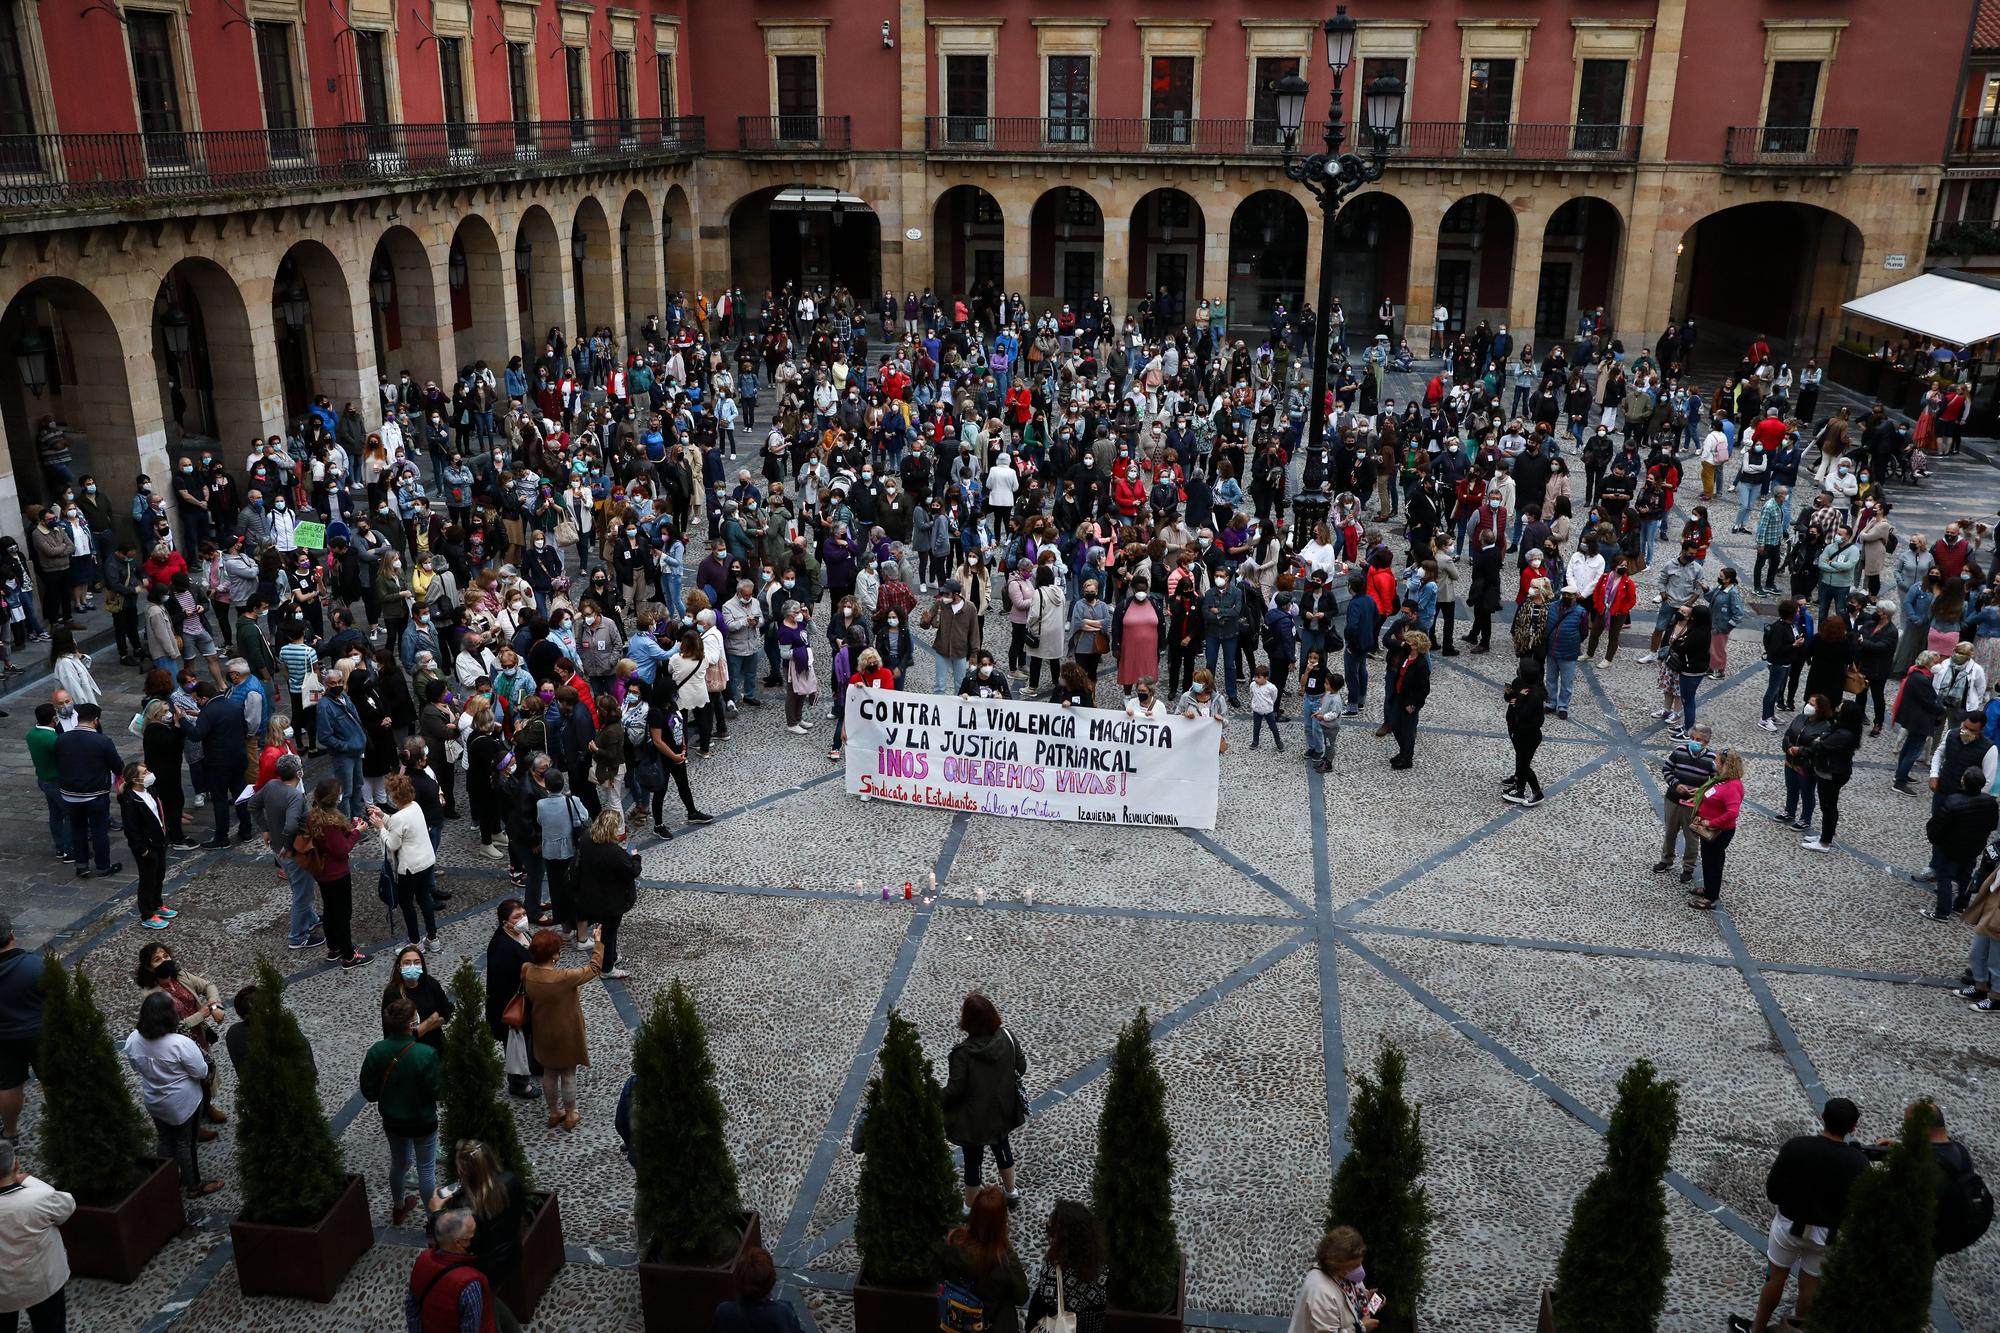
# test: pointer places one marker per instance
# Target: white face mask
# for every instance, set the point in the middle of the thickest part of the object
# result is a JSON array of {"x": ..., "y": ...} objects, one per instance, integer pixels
[{"x": 149, "y": 779}]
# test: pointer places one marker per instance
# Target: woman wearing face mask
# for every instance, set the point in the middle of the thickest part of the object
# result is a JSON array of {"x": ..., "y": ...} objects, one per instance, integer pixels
[
  {"x": 1089, "y": 629},
  {"x": 1800, "y": 738},
  {"x": 1135, "y": 636},
  {"x": 333, "y": 835},
  {"x": 277, "y": 744},
  {"x": 406, "y": 841},
  {"x": 1327, "y": 1297},
  {"x": 795, "y": 652},
  {"x": 506, "y": 956},
  {"x": 412, "y": 981},
  {"x": 606, "y": 884},
  {"x": 197, "y": 1004},
  {"x": 145, "y": 820},
  {"x": 171, "y": 1067}
]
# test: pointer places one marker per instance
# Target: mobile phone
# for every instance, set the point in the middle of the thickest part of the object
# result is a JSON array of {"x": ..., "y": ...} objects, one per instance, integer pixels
[{"x": 1374, "y": 1302}]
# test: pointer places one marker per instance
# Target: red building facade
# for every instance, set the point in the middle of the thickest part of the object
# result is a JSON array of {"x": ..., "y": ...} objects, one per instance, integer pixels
[{"x": 212, "y": 209}]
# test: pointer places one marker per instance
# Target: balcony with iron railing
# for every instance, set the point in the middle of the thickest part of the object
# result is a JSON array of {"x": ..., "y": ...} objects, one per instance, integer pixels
[
  {"x": 1432, "y": 141},
  {"x": 794, "y": 134},
  {"x": 1789, "y": 148},
  {"x": 100, "y": 170},
  {"x": 1978, "y": 139}
]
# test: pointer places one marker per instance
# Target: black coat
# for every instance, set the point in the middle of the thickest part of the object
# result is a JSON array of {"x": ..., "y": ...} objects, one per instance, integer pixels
[
  {"x": 505, "y": 957},
  {"x": 1413, "y": 686},
  {"x": 606, "y": 884},
  {"x": 144, "y": 834},
  {"x": 1958, "y": 830},
  {"x": 1483, "y": 593},
  {"x": 163, "y": 745}
]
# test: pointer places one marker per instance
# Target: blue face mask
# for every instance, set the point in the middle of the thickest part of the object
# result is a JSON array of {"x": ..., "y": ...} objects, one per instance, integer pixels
[
  {"x": 412, "y": 972},
  {"x": 1696, "y": 747}
]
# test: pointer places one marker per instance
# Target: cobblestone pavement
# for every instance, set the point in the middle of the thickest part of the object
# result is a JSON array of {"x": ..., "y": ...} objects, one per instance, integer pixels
[{"x": 1522, "y": 958}]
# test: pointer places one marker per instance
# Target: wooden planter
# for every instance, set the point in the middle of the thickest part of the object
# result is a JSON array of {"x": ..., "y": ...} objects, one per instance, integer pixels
[
  {"x": 681, "y": 1298},
  {"x": 116, "y": 1242},
  {"x": 304, "y": 1262},
  {"x": 1855, "y": 370},
  {"x": 894, "y": 1309},
  {"x": 1545, "y": 1322},
  {"x": 542, "y": 1257},
  {"x": 1170, "y": 1320}
]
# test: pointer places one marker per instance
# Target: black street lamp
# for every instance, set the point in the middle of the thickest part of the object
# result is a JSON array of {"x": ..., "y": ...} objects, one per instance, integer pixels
[
  {"x": 31, "y": 358},
  {"x": 295, "y": 304},
  {"x": 381, "y": 284},
  {"x": 1330, "y": 177}
]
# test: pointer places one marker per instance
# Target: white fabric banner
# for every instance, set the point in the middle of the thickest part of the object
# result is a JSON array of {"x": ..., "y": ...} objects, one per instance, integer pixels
[{"x": 1031, "y": 760}]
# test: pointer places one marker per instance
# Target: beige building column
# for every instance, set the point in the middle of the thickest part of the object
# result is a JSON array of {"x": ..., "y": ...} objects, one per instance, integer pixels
[
  {"x": 914, "y": 265},
  {"x": 1416, "y": 313},
  {"x": 1645, "y": 291}
]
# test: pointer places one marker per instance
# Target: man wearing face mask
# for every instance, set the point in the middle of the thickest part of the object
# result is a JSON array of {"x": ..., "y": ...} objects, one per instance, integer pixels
[
  {"x": 343, "y": 738},
  {"x": 1222, "y": 614},
  {"x": 956, "y": 624},
  {"x": 279, "y": 807},
  {"x": 87, "y": 766},
  {"x": 1687, "y": 768}
]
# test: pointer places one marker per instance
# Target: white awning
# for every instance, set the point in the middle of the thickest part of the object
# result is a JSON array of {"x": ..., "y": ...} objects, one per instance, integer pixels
[
  {"x": 1949, "y": 309},
  {"x": 814, "y": 198}
]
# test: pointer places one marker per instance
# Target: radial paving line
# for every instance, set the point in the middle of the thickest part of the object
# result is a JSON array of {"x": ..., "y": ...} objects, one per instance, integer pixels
[
  {"x": 1248, "y": 871},
  {"x": 1333, "y": 1039},
  {"x": 1081, "y": 1078},
  {"x": 834, "y": 1137}
]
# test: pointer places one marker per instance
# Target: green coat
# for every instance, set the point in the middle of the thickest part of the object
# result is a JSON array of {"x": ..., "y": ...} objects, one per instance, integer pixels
[{"x": 409, "y": 1097}]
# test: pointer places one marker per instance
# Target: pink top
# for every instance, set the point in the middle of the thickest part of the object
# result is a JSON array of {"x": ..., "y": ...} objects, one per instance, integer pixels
[{"x": 1722, "y": 804}]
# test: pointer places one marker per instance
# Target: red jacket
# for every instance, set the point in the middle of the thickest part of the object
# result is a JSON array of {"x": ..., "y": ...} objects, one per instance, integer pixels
[
  {"x": 437, "y": 1281},
  {"x": 1622, "y": 601},
  {"x": 1382, "y": 587}
]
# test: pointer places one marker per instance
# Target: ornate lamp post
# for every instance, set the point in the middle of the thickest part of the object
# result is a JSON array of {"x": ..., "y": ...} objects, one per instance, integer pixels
[{"x": 1331, "y": 176}]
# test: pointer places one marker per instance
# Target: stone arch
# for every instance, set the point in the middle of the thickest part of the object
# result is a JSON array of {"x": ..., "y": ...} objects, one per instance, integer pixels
[
  {"x": 677, "y": 240},
  {"x": 1267, "y": 257},
  {"x": 643, "y": 291},
  {"x": 402, "y": 288},
  {"x": 1065, "y": 247},
  {"x": 1372, "y": 238},
  {"x": 321, "y": 353},
  {"x": 1580, "y": 265},
  {"x": 593, "y": 276},
  {"x": 968, "y": 240},
  {"x": 204, "y": 356},
  {"x": 1164, "y": 255},
  {"x": 83, "y": 362},
  {"x": 1776, "y": 268},
  {"x": 477, "y": 281},
  {"x": 817, "y": 235},
  {"x": 541, "y": 299},
  {"x": 1473, "y": 274}
]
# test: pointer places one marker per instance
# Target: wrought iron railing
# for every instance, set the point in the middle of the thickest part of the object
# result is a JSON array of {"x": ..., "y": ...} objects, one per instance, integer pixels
[
  {"x": 1798, "y": 147},
  {"x": 791, "y": 134},
  {"x": 1977, "y": 134},
  {"x": 57, "y": 170},
  {"x": 1430, "y": 140}
]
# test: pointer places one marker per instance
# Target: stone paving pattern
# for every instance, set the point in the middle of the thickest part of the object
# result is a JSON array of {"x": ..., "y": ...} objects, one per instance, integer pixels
[{"x": 1522, "y": 957}]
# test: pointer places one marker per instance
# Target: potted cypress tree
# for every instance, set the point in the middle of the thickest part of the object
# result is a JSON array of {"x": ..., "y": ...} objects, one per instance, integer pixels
[
  {"x": 909, "y": 1193},
  {"x": 473, "y": 1109},
  {"x": 1132, "y": 1191},
  {"x": 1612, "y": 1275},
  {"x": 1878, "y": 1273},
  {"x": 94, "y": 1139},
  {"x": 1376, "y": 1189},
  {"x": 304, "y": 1222},
  {"x": 690, "y": 1216}
]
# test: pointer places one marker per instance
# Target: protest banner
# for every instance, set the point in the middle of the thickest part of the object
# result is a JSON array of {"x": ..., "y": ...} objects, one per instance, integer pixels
[
  {"x": 1031, "y": 760},
  {"x": 310, "y": 536}
]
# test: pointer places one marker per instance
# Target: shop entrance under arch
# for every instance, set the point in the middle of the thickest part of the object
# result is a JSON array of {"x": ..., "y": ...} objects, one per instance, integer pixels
[{"x": 808, "y": 236}]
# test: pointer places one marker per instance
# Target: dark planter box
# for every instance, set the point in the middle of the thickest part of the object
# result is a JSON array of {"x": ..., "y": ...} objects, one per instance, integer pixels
[
  {"x": 1170, "y": 1320},
  {"x": 116, "y": 1242},
  {"x": 894, "y": 1309},
  {"x": 306, "y": 1262},
  {"x": 681, "y": 1298},
  {"x": 1545, "y": 1322},
  {"x": 542, "y": 1257},
  {"x": 1851, "y": 369},
  {"x": 1899, "y": 388}
]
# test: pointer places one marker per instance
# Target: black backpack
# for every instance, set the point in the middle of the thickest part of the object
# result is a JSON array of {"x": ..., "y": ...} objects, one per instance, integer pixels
[{"x": 1965, "y": 1205}]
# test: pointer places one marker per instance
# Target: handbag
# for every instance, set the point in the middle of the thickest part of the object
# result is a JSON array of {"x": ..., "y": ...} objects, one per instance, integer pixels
[
  {"x": 1021, "y": 1109},
  {"x": 648, "y": 769},
  {"x": 566, "y": 533},
  {"x": 1857, "y": 682},
  {"x": 515, "y": 1015},
  {"x": 517, "y": 1054},
  {"x": 1100, "y": 642},
  {"x": 1062, "y": 1321}
]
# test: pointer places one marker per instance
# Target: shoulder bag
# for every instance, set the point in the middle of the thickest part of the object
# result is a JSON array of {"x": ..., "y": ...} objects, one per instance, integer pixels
[
  {"x": 1062, "y": 1321},
  {"x": 515, "y": 1015}
]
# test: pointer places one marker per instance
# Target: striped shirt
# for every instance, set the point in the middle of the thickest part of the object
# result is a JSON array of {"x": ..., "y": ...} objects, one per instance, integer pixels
[{"x": 297, "y": 659}]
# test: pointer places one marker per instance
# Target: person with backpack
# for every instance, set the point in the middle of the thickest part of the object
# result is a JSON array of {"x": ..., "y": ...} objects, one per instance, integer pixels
[
  {"x": 1808, "y": 1184},
  {"x": 984, "y": 1283},
  {"x": 1964, "y": 1203}
]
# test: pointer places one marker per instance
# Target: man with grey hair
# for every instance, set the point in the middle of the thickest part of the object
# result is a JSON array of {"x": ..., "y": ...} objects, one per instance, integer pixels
[
  {"x": 343, "y": 737},
  {"x": 1687, "y": 767},
  {"x": 37, "y": 1272},
  {"x": 447, "y": 1290},
  {"x": 743, "y": 636},
  {"x": 279, "y": 807}
]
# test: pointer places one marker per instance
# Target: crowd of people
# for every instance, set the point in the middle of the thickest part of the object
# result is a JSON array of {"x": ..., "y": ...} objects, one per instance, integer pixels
[{"x": 536, "y": 599}]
